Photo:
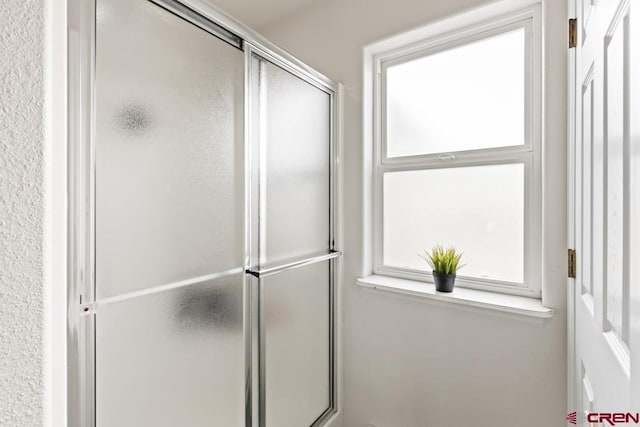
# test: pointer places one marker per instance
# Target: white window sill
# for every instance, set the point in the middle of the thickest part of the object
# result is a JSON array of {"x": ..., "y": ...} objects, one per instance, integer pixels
[{"x": 461, "y": 297}]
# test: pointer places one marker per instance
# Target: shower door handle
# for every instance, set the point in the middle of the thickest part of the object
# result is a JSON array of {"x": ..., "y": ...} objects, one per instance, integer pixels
[{"x": 292, "y": 265}]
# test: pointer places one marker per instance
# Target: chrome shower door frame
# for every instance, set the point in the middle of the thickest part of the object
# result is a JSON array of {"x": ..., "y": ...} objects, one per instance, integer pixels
[
  {"x": 81, "y": 295},
  {"x": 256, "y": 341}
]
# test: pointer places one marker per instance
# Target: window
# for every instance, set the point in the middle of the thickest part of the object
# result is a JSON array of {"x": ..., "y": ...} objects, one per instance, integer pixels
[{"x": 457, "y": 153}]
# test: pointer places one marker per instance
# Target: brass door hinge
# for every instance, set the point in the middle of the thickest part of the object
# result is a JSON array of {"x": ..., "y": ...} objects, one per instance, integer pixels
[
  {"x": 572, "y": 263},
  {"x": 573, "y": 32}
]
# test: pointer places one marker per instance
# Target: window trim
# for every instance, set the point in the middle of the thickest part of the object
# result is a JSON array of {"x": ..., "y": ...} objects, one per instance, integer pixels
[{"x": 411, "y": 46}]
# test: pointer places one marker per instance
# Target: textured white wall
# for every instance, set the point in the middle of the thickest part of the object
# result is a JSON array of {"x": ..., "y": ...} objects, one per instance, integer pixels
[
  {"x": 408, "y": 363},
  {"x": 22, "y": 211}
]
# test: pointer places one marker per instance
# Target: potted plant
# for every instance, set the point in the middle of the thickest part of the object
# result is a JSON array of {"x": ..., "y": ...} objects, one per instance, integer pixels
[{"x": 444, "y": 262}]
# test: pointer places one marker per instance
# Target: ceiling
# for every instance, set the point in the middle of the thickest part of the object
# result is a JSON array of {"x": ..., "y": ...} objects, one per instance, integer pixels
[{"x": 258, "y": 14}]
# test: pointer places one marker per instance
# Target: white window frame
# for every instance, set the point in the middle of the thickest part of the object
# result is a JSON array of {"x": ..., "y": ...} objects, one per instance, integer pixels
[{"x": 413, "y": 45}]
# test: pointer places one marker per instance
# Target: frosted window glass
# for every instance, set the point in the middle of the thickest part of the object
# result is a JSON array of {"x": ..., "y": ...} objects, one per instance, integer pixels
[
  {"x": 465, "y": 98},
  {"x": 479, "y": 210},
  {"x": 297, "y": 345},
  {"x": 294, "y": 166},
  {"x": 169, "y": 149},
  {"x": 173, "y": 358}
]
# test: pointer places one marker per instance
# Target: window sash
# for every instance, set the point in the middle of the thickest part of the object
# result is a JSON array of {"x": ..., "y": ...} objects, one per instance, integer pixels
[
  {"x": 528, "y": 153},
  {"x": 432, "y": 47},
  {"x": 531, "y": 271}
]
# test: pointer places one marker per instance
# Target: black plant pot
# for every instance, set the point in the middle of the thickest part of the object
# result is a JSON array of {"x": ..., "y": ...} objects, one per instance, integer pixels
[{"x": 444, "y": 282}]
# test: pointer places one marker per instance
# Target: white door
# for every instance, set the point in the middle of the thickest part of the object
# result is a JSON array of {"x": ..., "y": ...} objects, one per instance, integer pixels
[{"x": 605, "y": 214}]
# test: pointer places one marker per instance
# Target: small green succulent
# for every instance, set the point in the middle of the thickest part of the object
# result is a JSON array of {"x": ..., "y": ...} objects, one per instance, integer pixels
[{"x": 443, "y": 260}]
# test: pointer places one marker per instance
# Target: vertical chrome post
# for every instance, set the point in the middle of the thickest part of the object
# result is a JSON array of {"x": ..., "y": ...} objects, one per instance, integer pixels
[
  {"x": 247, "y": 281},
  {"x": 81, "y": 272}
]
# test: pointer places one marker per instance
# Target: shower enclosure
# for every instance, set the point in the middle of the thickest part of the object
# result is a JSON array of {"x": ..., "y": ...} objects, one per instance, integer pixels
[{"x": 202, "y": 254}]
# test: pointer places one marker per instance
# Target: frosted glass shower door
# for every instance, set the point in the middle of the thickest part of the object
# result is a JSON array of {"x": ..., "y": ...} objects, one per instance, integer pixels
[
  {"x": 292, "y": 135},
  {"x": 292, "y": 244},
  {"x": 169, "y": 193}
]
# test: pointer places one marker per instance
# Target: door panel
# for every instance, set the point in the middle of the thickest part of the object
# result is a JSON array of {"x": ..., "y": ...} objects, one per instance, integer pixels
[
  {"x": 169, "y": 170},
  {"x": 290, "y": 223},
  {"x": 293, "y": 151},
  {"x": 615, "y": 81},
  {"x": 586, "y": 149},
  {"x": 169, "y": 156},
  {"x": 297, "y": 345},
  {"x": 606, "y": 353},
  {"x": 173, "y": 358}
]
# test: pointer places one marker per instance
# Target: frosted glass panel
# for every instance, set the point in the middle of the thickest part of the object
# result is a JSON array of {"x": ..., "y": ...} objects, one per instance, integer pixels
[
  {"x": 297, "y": 345},
  {"x": 169, "y": 184},
  {"x": 174, "y": 358},
  {"x": 480, "y": 211},
  {"x": 465, "y": 98},
  {"x": 294, "y": 165}
]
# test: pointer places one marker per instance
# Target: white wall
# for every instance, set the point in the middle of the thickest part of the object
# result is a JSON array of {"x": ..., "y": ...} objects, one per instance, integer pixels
[
  {"x": 412, "y": 364},
  {"x": 23, "y": 118}
]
